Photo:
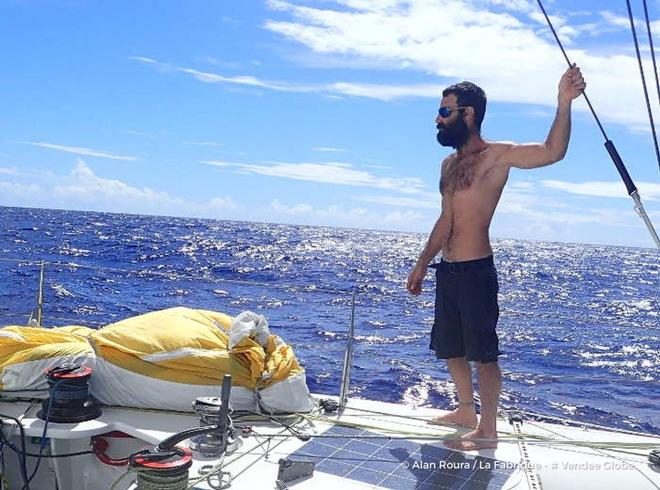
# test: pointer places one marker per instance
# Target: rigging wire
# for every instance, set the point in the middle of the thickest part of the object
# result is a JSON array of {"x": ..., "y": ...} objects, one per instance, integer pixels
[
  {"x": 178, "y": 275},
  {"x": 641, "y": 71},
  {"x": 648, "y": 30},
  {"x": 609, "y": 146},
  {"x": 561, "y": 46},
  {"x": 289, "y": 287}
]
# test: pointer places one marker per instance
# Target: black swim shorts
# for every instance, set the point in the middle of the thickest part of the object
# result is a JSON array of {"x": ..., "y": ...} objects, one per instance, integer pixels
[{"x": 466, "y": 310}]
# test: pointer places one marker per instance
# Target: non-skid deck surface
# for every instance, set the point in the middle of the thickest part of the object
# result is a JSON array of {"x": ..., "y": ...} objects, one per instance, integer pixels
[
  {"x": 398, "y": 463},
  {"x": 371, "y": 444}
]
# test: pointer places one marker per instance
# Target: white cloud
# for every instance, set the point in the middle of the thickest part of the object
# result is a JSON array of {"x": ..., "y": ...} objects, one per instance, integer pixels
[
  {"x": 8, "y": 171},
  {"x": 525, "y": 217},
  {"x": 523, "y": 211},
  {"x": 218, "y": 163},
  {"x": 222, "y": 64},
  {"x": 83, "y": 189},
  {"x": 13, "y": 190},
  {"x": 517, "y": 199},
  {"x": 374, "y": 91},
  {"x": 84, "y": 185},
  {"x": 385, "y": 92},
  {"x": 618, "y": 22},
  {"x": 404, "y": 218},
  {"x": 523, "y": 186},
  {"x": 230, "y": 20},
  {"x": 648, "y": 190},
  {"x": 251, "y": 81},
  {"x": 501, "y": 45},
  {"x": 203, "y": 143},
  {"x": 224, "y": 203},
  {"x": 79, "y": 150},
  {"x": 139, "y": 133},
  {"x": 144, "y": 59},
  {"x": 426, "y": 201},
  {"x": 530, "y": 210},
  {"x": 326, "y": 173},
  {"x": 336, "y": 215},
  {"x": 524, "y": 6},
  {"x": 504, "y": 54},
  {"x": 614, "y": 19},
  {"x": 329, "y": 149},
  {"x": 297, "y": 209}
]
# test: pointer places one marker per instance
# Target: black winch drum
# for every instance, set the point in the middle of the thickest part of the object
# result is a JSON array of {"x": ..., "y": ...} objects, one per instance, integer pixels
[
  {"x": 69, "y": 400},
  {"x": 163, "y": 471}
]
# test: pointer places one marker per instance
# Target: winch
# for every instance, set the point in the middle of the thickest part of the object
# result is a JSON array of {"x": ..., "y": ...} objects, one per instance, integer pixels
[
  {"x": 212, "y": 410},
  {"x": 158, "y": 470},
  {"x": 69, "y": 400},
  {"x": 217, "y": 435}
]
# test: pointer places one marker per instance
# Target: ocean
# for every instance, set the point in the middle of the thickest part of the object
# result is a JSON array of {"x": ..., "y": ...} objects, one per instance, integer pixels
[{"x": 578, "y": 327}]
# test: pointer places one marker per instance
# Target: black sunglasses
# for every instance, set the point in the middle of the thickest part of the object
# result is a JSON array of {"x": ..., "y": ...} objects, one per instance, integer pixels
[{"x": 445, "y": 112}]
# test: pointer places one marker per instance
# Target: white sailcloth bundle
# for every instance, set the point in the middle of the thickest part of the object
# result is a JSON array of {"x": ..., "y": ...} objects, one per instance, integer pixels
[{"x": 164, "y": 360}]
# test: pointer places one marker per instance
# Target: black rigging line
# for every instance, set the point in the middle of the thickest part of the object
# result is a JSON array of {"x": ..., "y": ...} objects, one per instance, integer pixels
[
  {"x": 609, "y": 146},
  {"x": 641, "y": 71},
  {"x": 614, "y": 154},
  {"x": 648, "y": 30},
  {"x": 561, "y": 46}
]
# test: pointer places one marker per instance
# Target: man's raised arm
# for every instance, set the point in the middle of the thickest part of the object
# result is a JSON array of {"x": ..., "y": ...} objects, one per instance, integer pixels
[{"x": 535, "y": 155}]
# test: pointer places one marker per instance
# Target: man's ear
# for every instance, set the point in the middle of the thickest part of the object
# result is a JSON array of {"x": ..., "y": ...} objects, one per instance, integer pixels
[{"x": 467, "y": 113}]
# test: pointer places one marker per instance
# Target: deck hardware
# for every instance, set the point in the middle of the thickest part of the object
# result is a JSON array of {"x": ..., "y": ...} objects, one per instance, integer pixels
[
  {"x": 348, "y": 358},
  {"x": 328, "y": 405},
  {"x": 290, "y": 470},
  {"x": 213, "y": 410},
  {"x": 36, "y": 316},
  {"x": 68, "y": 395},
  {"x": 162, "y": 470},
  {"x": 654, "y": 458},
  {"x": 533, "y": 479}
]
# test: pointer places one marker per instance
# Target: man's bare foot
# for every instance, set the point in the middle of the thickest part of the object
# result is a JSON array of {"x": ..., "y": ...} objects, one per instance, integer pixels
[
  {"x": 477, "y": 439},
  {"x": 465, "y": 417}
]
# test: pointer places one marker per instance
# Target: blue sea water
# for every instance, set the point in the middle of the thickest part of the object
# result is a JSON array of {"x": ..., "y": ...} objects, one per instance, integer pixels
[{"x": 579, "y": 324}]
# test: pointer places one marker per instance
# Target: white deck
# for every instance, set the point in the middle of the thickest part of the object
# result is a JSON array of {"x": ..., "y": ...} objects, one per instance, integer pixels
[{"x": 255, "y": 464}]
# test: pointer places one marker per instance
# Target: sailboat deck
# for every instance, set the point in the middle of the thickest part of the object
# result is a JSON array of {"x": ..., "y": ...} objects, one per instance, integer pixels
[{"x": 370, "y": 445}]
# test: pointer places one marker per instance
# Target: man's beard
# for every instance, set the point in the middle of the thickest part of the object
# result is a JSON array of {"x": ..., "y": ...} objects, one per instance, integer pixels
[{"x": 454, "y": 135}]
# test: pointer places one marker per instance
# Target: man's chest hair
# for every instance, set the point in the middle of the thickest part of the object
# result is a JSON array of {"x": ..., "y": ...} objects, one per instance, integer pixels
[{"x": 460, "y": 174}]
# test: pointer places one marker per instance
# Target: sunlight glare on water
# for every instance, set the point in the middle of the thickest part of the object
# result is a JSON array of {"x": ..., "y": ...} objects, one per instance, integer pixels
[{"x": 579, "y": 324}]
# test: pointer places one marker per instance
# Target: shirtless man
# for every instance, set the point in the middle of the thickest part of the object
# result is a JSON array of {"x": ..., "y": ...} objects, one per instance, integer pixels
[{"x": 471, "y": 183}]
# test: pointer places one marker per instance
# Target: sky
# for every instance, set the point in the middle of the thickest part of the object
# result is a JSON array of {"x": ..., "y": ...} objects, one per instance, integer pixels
[{"x": 318, "y": 112}]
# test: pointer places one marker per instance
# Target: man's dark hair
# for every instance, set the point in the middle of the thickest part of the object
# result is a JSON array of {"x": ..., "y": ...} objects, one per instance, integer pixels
[{"x": 469, "y": 94}]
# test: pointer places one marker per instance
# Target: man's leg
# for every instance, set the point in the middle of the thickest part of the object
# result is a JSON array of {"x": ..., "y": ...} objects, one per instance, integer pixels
[
  {"x": 490, "y": 386},
  {"x": 485, "y": 435},
  {"x": 465, "y": 415},
  {"x": 480, "y": 314}
]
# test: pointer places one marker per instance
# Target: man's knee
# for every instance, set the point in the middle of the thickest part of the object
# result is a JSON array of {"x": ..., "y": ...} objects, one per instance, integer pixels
[
  {"x": 457, "y": 360},
  {"x": 488, "y": 367}
]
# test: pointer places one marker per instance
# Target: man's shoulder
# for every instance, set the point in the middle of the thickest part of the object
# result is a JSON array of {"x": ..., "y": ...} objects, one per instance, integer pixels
[
  {"x": 497, "y": 149},
  {"x": 448, "y": 160},
  {"x": 500, "y": 146}
]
